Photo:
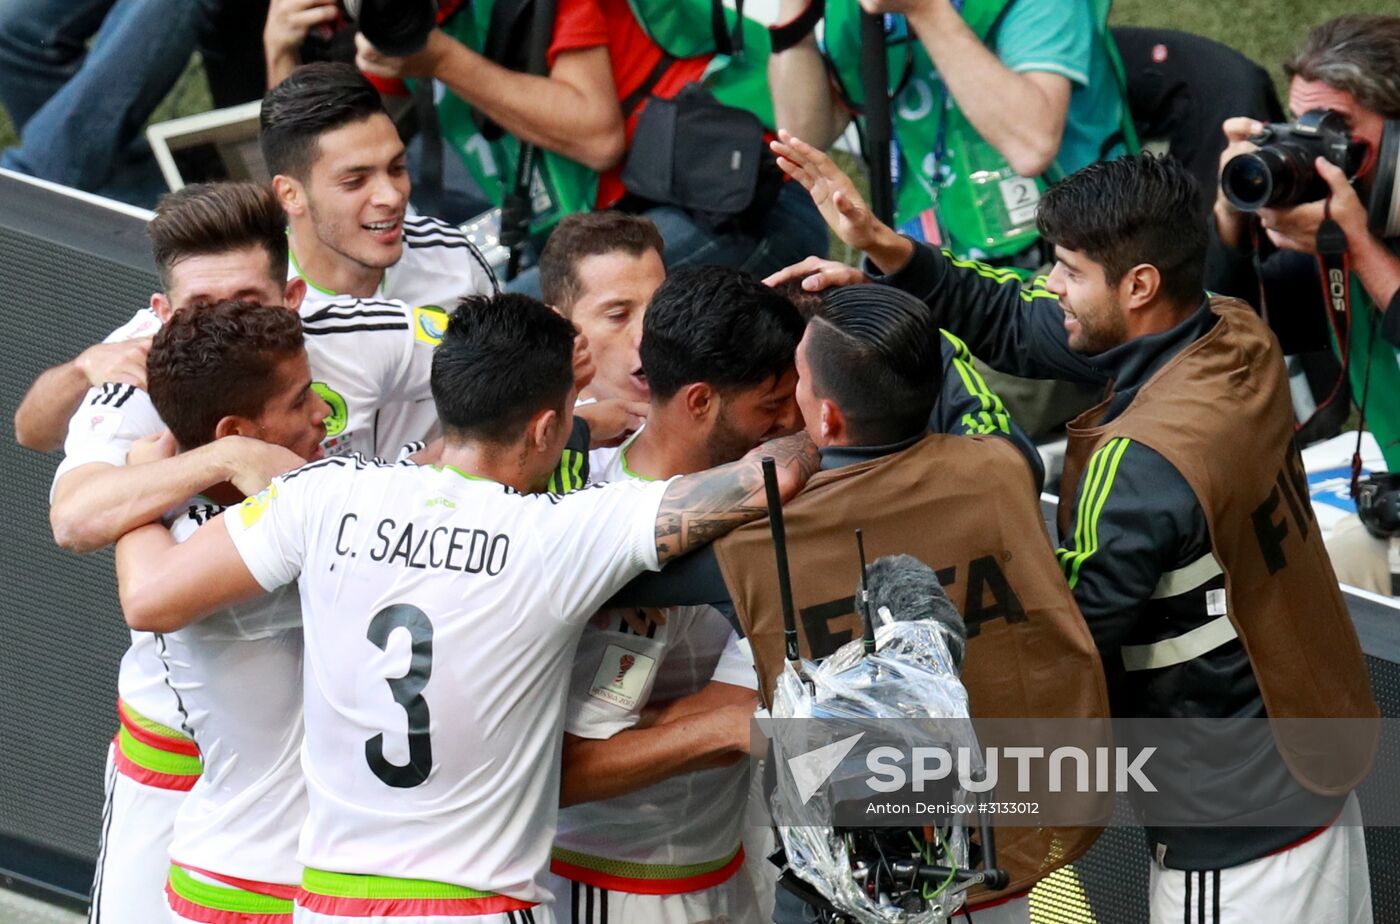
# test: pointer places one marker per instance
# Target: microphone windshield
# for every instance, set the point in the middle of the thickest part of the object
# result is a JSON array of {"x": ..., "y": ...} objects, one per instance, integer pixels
[{"x": 911, "y": 591}]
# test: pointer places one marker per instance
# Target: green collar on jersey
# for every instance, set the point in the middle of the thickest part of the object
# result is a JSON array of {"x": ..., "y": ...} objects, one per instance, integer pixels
[
  {"x": 383, "y": 277},
  {"x": 622, "y": 458},
  {"x": 466, "y": 475}
]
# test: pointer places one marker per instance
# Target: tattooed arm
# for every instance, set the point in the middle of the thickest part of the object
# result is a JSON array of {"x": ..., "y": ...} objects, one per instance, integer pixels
[{"x": 702, "y": 507}]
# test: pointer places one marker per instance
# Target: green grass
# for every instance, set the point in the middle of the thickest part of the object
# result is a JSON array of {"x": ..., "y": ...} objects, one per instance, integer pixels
[{"x": 1265, "y": 30}]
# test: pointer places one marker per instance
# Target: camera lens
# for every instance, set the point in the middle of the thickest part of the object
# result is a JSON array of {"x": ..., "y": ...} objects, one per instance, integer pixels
[
  {"x": 397, "y": 28},
  {"x": 1275, "y": 176},
  {"x": 1247, "y": 182}
]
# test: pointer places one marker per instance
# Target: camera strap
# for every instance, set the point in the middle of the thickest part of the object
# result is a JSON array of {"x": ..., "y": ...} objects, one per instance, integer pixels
[
  {"x": 1336, "y": 293},
  {"x": 516, "y": 206}
]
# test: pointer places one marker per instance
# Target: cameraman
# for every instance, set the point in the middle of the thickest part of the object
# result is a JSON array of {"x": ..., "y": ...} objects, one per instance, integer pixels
[
  {"x": 603, "y": 69},
  {"x": 1347, "y": 65}
]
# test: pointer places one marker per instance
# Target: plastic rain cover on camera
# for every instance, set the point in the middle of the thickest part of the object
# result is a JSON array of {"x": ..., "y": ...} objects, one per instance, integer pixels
[{"x": 912, "y": 678}]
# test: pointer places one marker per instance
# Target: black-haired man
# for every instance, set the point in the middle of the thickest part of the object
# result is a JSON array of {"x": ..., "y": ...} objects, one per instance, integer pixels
[
  {"x": 656, "y": 809},
  {"x": 1199, "y": 570},
  {"x": 439, "y": 608},
  {"x": 338, "y": 169},
  {"x": 870, "y": 367}
]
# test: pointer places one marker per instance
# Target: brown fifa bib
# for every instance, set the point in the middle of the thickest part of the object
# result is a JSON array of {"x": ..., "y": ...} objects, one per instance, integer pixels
[
  {"x": 963, "y": 506},
  {"x": 1220, "y": 413}
]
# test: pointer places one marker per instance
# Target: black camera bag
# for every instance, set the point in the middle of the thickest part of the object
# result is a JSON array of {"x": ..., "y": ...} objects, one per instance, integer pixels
[{"x": 697, "y": 154}]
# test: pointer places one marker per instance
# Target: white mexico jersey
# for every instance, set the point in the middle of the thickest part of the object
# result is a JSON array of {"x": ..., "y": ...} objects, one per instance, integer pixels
[
  {"x": 237, "y": 674},
  {"x": 109, "y": 420},
  {"x": 359, "y": 364},
  {"x": 367, "y": 356},
  {"x": 625, "y": 661},
  {"x": 693, "y": 819},
  {"x": 441, "y": 614},
  {"x": 438, "y": 268},
  {"x": 363, "y": 354}
]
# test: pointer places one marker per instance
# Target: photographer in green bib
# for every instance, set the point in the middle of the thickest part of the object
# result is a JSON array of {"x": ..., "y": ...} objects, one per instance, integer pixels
[
  {"x": 1336, "y": 287},
  {"x": 991, "y": 99},
  {"x": 652, "y": 106}
]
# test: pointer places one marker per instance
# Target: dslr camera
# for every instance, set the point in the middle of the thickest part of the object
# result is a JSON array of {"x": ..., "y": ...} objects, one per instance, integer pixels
[
  {"x": 1281, "y": 174},
  {"x": 397, "y": 28}
]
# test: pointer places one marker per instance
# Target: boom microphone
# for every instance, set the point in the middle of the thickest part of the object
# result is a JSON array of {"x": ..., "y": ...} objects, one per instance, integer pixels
[{"x": 907, "y": 589}]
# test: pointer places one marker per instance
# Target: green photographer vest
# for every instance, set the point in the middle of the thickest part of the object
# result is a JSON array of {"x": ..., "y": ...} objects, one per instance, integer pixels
[
  {"x": 560, "y": 186},
  {"x": 943, "y": 167},
  {"x": 1374, "y": 358}
]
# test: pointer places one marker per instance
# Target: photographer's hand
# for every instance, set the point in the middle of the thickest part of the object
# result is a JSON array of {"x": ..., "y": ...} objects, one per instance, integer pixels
[
  {"x": 836, "y": 197},
  {"x": 1232, "y": 225},
  {"x": 1372, "y": 262},
  {"x": 1294, "y": 228},
  {"x": 422, "y": 64},
  {"x": 288, "y": 22}
]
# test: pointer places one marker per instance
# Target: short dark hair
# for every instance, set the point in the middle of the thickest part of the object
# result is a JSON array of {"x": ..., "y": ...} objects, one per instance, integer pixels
[
  {"x": 1136, "y": 209},
  {"x": 502, "y": 359},
  {"x": 807, "y": 303},
  {"x": 206, "y": 218},
  {"x": 206, "y": 365},
  {"x": 716, "y": 325},
  {"x": 590, "y": 234},
  {"x": 1356, "y": 53},
  {"x": 875, "y": 351},
  {"x": 314, "y": 99}
]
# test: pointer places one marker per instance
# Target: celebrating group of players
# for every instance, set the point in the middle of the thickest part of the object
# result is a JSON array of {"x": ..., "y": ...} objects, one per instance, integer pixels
[
  {"x": 310, "y": 322},
  {"x": 466, "y": 489}
]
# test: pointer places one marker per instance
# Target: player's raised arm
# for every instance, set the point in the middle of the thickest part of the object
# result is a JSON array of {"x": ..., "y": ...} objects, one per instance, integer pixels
[
  {"x": 700, "y": 508},
  {"x": 165, "y": 587}
]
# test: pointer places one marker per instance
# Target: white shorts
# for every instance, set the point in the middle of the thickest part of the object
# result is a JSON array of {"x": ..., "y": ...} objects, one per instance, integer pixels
[
  {"x": 539, "y": 914},
  {"x": 730, "y": 902},
  {"x": 133, "y": 856},
  {"x": 1322, "y": 879}
]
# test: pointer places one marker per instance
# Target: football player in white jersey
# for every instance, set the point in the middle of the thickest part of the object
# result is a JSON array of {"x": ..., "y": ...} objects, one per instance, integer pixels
[
  {"x": 655, "y": 783},
  {"x": 207, "y": 249},
  {"x": 210, "y": 243},
  {"x": 338, "y": 168},
  {"x": 236, "y": 367},
  {"x": 341, "y": 178},
  {"x": 441, "y": 608}
]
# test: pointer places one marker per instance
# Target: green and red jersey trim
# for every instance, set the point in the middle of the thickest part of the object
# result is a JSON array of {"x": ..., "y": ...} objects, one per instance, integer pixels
[
  {"x": 208, "y": 903},
  {"x": 644, "y": 878},
  {"x": 153, "y": 754},
  {"x": 366, "y": 896}
]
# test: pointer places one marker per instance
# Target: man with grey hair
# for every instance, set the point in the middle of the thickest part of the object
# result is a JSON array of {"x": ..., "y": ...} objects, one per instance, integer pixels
[{"x": 1348, "y": 66}]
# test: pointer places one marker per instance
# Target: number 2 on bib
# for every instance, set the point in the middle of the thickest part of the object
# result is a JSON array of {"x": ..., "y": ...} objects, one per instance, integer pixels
[{"x": 408, "y": 693}]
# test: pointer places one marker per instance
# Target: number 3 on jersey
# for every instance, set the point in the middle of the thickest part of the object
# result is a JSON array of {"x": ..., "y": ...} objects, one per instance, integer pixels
[{"x": 408, "y": 693}]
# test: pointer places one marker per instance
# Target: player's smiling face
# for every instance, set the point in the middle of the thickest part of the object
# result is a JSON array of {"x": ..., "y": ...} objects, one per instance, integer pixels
[
  {"x": 294, "y": 416},
  {"x": 615, "y": 290},
  {"x": 357, "y": 192}
]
